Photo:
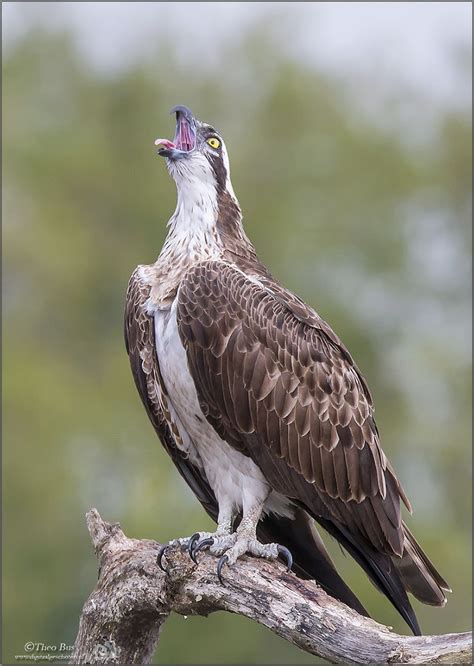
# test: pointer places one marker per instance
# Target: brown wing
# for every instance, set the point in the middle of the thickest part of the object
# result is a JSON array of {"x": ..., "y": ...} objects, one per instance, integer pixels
[
  {"x": 140, "y": 343},
  {"x": 276, "y": 382},
  {"x": 310, "y": 557}
]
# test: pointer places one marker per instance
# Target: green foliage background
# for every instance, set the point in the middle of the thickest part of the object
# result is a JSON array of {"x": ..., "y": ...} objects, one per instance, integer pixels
[{"x": 366, "y": 218}]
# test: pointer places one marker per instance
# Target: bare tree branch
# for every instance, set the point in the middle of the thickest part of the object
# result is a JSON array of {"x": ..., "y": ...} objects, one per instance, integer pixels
[{"x": 122, "y": 619}]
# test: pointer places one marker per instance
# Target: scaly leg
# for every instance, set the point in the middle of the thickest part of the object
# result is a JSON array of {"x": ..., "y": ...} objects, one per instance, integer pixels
[{"x": 231, "y": 546}]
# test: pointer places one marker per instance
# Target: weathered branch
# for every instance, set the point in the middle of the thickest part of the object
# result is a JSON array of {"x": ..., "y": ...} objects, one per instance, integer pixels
[{"x": 122, "y": 619}]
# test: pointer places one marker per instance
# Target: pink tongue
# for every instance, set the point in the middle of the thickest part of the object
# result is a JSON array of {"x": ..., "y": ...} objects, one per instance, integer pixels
[{"x": 164, "y": 143}]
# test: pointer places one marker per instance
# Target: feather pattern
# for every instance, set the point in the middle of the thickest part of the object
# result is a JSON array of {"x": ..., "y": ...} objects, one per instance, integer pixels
[
  {"x": 140, "y": 345},
  {"x": 285, "y": 376},
  {"x": 310, "y": 426},
  {"x": 311, "y": 559}
]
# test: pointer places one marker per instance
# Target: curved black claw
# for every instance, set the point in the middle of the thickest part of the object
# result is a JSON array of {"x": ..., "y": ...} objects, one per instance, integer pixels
[
  {"x": 159, "y": 557},
  {"x": 199, "y": 546},
  {"x": 286, "y": 555},
  {"x": 191, "y": 543},
  {"x": 220, "y": 565}
]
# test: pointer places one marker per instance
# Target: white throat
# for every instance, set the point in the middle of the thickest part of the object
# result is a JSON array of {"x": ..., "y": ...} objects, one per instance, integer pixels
[{"x": 192, "y": 234}]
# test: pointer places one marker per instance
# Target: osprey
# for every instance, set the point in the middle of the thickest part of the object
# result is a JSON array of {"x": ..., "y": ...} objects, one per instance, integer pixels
[{"x": 258, "y": 402}]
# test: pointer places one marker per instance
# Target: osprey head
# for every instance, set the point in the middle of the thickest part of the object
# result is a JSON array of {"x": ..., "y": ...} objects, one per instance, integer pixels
[{"x": 196, "y": 154}]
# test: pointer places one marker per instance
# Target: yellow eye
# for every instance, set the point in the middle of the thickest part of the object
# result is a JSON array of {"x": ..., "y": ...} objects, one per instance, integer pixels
[{"x": 213, "y": 142}]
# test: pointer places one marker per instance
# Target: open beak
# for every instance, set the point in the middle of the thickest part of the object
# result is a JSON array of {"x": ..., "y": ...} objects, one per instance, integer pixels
[{"x": 184, "y": 141}]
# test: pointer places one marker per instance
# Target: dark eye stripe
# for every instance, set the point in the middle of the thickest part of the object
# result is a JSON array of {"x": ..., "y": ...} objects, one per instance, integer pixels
[{"x": 219, "y": 169}]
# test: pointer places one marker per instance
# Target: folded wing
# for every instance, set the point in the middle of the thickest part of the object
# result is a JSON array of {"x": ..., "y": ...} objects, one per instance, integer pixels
[{"x": 277, "y": 383}]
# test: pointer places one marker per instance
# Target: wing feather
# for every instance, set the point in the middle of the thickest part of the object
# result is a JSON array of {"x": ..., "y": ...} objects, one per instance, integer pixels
[
  {"x": 285, "y": 377},
  {"x": 229, "y": 330},
  {"x": 140, "y": 344}
]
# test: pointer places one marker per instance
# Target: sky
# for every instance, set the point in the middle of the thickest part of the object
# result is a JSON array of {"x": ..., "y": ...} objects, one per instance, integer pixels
[{"x": 410, "y": 41}]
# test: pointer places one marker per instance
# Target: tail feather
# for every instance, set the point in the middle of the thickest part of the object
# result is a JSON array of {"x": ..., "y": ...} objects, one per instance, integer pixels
[
  {"x": 393, "y": 576},
  {"x": 418, "y": 573},
  {"x": 379, "y": 568}
]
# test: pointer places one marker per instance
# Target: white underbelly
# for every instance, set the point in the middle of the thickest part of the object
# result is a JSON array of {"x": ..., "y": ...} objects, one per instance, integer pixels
[{"x": 235, "y": 478}]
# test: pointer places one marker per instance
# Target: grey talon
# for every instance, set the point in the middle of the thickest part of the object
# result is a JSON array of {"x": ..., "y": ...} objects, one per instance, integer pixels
[
  {"x": 287, "y": 556},
  {"x": 191, "y": 543},
  {"x": 159, "y": 557},
  {"x": 202, "y": 544},
  {"x": 220, "y": 565}
]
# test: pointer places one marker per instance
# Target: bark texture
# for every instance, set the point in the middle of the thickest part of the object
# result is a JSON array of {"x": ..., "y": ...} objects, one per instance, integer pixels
[{"x": 121, "y": 621}]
